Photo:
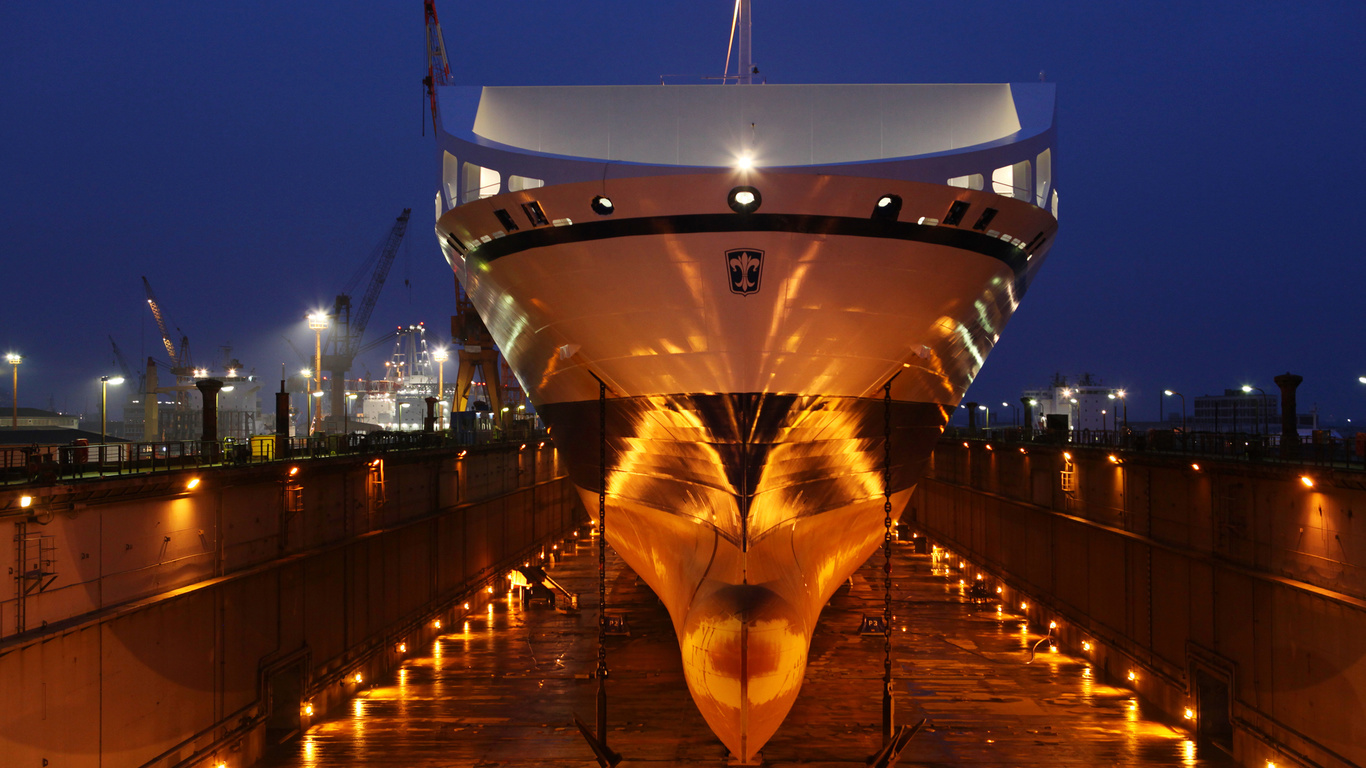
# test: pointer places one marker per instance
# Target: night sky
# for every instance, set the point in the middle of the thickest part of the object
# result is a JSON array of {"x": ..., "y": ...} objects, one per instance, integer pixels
[{"x": 247, "y": 157}]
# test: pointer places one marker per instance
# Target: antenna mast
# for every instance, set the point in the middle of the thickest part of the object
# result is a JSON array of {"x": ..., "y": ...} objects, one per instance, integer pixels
[{"x": 746, "y": 57}]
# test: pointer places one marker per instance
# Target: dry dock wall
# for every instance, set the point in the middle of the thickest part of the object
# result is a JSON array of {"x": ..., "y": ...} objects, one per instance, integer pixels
[
  {"x": 1230, "y": 588},
  {"x": 147, "y": 624}
]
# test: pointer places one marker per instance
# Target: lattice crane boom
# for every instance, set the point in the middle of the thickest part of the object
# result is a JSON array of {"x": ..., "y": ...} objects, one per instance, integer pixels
[{"x": 438, "y": 68}]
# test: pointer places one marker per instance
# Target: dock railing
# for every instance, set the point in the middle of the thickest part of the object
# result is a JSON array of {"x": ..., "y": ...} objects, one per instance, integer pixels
[
  {"x": 54, "y": 463},
  {"x": 1320, "y": 450}
]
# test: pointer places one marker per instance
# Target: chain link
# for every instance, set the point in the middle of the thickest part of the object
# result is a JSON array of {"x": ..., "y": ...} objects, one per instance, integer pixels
[{"x": 602, "y": 530}]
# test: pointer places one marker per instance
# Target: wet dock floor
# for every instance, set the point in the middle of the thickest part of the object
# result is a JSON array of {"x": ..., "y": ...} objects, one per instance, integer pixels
[{"x": 500, "y": 689}]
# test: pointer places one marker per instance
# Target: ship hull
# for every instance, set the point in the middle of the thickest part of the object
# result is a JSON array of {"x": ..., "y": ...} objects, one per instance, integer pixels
[{"x": 761, "y": 422}]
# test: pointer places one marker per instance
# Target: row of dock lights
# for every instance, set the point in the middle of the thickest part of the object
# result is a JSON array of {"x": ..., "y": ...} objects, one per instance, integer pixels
[
  {"x": 1305, "y": 480},
  {"x": 947, "y": 560}
]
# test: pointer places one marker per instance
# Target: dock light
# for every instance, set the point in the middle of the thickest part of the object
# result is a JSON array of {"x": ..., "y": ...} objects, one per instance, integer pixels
[
  {"x": 467, "y": 606},
  {"x": 888, "y": 208},
  {"x": 523, "y": 447},
  {"x": 1067, "y": 455},
  {"x": 965, "y": 444},
  {"x": 979, "y": 577},
  {"x": 490, "y": 589},
  {"x": 220, "y": 764},
  {"x": 744, "y": 162},
  {"x": 25, "y": 502},
  {"x": 1024, "y": 606},
  {"x": 1052, "y": 625},
  {"x": 308, "y": 709},
  {"x": 744, "y": 200},
  {"x": 1024, "y": 451},
  {"x": 194, "y": 483},
  {"x": 1307, "y": 480},
  {"x": 436, "y": 624},
  {"x": 989, "y": 448},
  {"x": 1195, "y": 467},
  {"x": 462, "y": 454},
  {"x": 1132, "y": 676},
  {"x": 307, "y": 373},
  {"x": 1086, "y": 645},
  {"x": 1188, "y": 713},
  {"x": 402, "y": 647},
  {"x": 293, "y": 471},
  {"x": 357, "y": 678},
  {"x": 602, "y": 206},
  {"x": 1113, "y": 459},
  {"x": 998, "y": 591},
  {"x": 229, "y": 388}
]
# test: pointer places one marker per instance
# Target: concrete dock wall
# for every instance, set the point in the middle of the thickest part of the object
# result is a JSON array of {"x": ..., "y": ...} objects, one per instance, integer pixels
[
  {"x": 1233, "y": 589},
  {"x": 148, "y": 623}
]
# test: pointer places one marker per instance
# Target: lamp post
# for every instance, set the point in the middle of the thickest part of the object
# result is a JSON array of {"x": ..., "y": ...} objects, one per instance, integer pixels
[
  {"x": 346, "y": 417},
  {"x": 1074, "y": 410},
  {"x": 986, "y": 422},
  {"x": 1266, "y": 427},
  {"x": 317, "y": 322},
  {"x": 401, "y": 406},
  {"x": 307, "y": 373},
  {"x": 105, "y": 381},
  {"x": 14, "y": 360},
  {"x": 1170, "y": 393},
  {"x": 1014, "y": 413},
  {"x": 440, "y": 355}
]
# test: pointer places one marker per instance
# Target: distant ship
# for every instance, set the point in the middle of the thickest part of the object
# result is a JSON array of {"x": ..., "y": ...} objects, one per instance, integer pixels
[{"x": 745, "y": 267}]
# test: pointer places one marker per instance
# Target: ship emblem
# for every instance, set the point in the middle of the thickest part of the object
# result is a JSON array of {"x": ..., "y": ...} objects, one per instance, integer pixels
[{"x": 745, "y": 266}]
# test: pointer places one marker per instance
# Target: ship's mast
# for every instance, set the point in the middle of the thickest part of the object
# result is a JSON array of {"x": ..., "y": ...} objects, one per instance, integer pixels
[{"x": 746, "y": 59}]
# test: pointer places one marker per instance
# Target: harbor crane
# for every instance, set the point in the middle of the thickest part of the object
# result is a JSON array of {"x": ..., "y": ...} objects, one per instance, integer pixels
[{"x": 346, "y": 330}]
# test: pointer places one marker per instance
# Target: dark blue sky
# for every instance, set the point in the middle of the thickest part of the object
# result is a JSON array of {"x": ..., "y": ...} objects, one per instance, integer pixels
[{"x": 246, "y": 157}]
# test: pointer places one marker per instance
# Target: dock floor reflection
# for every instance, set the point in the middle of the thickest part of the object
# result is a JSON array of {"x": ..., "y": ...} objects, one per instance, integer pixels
[{"x": 501, "y": 687}]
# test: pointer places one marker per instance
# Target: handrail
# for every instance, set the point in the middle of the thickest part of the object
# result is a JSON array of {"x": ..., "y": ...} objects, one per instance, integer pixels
[
  {"x": 1252, "y": 448},
  {"x": 35, "y": 463}
]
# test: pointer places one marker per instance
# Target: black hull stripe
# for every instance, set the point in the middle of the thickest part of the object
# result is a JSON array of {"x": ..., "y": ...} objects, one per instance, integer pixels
[{"x": 951, "y": 237}]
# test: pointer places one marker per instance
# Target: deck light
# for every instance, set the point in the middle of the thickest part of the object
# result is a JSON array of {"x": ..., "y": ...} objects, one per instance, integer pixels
[
  {"x": 1024, "y": 451},
  {"x": 744, "y": 199},
  {"x": 888, "y": 208},
  {"x": 1307, "y": 480},
  {"x": 308, "y": 709},
  {"x": 402, "y": 647},
  {"x": 194, "y": 483},
  {"x": 467, "y": 606},
  {"x": 1024, "y": 606},
  {"x": 293, "y": 471},
  {"x": 436, "y": 624},
  {"x": 1086, "y": 645},
  {"x": 357, "y": 678},
  {"x": 998, "y": 591},
  {"x": 1052, "y": 625},
  {"x": 1132, "y": 676},
  {"x": 1195, "y": 467},
  {"x": 25, "y": 502},
  {"x": 1067, "y": 455},
  {"x": 1113, "y": 459},
  {"x": 1188, "y": 713},
  {"x": 744, "y": 162},
  {"x": 965, "y": 444},
  {"x": 602, "y": 206}
]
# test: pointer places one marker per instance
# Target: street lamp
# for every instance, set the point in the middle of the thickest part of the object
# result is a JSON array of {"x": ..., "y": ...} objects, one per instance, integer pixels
[
  {"x": 317, "y": 322},
  {"x": 346, "y": 418},
  {"x": 1170, "y": 393},
  {"x": 1014, "y": 413},
  {"x": 986, "y": 423},
  {"x": 105, "y": 381},
  {"x": 401, "y": 406},
  {"x": 1266, "y": 427},
  {"x": 14, "y": 360},
  {"x": 440, "y": 355}
]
